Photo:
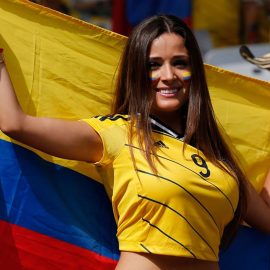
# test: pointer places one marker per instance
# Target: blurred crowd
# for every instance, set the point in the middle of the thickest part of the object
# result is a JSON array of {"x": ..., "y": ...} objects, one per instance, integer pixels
[
  {"x": 216, "y": 24},
  {"x": 255, "y": 21}
]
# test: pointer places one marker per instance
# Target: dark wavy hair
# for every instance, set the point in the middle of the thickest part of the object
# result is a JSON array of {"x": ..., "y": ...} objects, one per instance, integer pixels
[{"x": 134, "y": 98}]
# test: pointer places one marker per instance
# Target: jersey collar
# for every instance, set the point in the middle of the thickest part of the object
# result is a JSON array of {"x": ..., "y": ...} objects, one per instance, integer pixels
[{"x": 159, "y": 126}]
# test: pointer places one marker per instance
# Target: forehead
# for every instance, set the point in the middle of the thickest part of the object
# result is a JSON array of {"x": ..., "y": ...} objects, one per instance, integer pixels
[{"x": 168, "y": 43}]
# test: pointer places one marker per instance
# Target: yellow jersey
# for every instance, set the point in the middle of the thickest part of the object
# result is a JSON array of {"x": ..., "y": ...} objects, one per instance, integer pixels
[{"x": 181, "y": 210}]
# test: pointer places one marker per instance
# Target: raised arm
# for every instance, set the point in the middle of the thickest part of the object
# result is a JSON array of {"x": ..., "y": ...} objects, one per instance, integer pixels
[
  {"x": 66, "y": 139},
  {"x": 258, "y": 212}
]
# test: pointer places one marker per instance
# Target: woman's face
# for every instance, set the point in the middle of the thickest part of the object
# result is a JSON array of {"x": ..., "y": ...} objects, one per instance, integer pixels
[{"x": 170, "y": 73}]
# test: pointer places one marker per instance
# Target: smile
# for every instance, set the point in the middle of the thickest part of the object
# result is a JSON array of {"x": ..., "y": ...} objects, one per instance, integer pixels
[{"x": 168, "y": 92}]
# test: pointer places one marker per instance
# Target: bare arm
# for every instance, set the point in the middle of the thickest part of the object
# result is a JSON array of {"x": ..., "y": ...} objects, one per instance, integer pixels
[
  {"x": 258, "y": 211},
  {"x": 66, "y": 139}
]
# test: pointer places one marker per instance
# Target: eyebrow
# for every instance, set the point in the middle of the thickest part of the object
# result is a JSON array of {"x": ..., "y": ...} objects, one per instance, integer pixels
[{"x": 186, "y": 57}]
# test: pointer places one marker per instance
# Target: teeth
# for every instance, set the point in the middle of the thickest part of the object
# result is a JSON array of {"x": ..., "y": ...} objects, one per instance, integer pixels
[{"x": 168, "y": 91}]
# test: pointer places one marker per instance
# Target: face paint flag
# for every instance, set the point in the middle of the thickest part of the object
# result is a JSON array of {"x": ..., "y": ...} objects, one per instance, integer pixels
[
  {"x": 186, "y": 74},
  {"x": 54, "y": 213},
  {"x": 154, "y": 75}
]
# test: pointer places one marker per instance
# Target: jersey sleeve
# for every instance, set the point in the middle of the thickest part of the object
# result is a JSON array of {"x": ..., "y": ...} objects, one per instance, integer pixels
[{"x": 112, "y": 132}]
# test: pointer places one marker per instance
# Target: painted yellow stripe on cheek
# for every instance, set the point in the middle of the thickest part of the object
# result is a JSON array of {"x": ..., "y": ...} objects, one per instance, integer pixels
[
  {"x": 186, "y": 75},
  {"x": 154, "y": 75}
]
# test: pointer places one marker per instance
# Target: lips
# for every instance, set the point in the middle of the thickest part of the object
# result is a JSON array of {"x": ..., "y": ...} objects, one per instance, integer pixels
[{"x": 168, "y": 92}]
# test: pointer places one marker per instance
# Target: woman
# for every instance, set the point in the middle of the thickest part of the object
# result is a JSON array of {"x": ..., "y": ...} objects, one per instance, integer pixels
[{"x": 177, "y": 193}]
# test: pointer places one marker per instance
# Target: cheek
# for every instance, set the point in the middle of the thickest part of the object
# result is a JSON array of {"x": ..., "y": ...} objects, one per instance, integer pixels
[
  {"x": 154, "y": 84},
  {"x": 186, "y": 94},
  {"x": 187, "y": 84}
]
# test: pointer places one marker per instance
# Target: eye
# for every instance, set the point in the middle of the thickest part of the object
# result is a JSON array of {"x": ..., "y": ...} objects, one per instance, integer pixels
[
  {"x": 181, "y": 63},
  {"x": 153, "y": 65}
]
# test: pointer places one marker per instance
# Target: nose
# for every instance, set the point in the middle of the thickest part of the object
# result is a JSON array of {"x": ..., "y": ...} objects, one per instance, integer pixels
[{"x": 167, "y": 73}]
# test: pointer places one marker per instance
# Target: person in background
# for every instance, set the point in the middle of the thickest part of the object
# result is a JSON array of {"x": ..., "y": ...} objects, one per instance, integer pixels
[
  {"x": 252, "y": 13},
  {"x": 177, "y": 192}
]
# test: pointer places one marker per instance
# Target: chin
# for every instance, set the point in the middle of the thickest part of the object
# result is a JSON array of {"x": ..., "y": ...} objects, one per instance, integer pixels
[
  {"x": 169, "y": 107},
  {"x": 166, "y": 109}
]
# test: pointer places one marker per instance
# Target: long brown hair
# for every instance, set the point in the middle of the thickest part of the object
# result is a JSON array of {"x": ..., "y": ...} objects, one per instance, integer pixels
[{"x": 133, "y": 97}]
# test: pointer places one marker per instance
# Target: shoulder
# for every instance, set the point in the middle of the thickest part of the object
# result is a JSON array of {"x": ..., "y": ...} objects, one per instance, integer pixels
[{"x": 112, "y": 130}]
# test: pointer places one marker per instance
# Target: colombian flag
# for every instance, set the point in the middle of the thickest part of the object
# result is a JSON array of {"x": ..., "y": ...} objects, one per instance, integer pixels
[{"x": 54, "y": 213}]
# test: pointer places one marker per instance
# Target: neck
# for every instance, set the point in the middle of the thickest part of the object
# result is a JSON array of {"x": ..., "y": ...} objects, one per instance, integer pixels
[{"x": 171, "y": 120}]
